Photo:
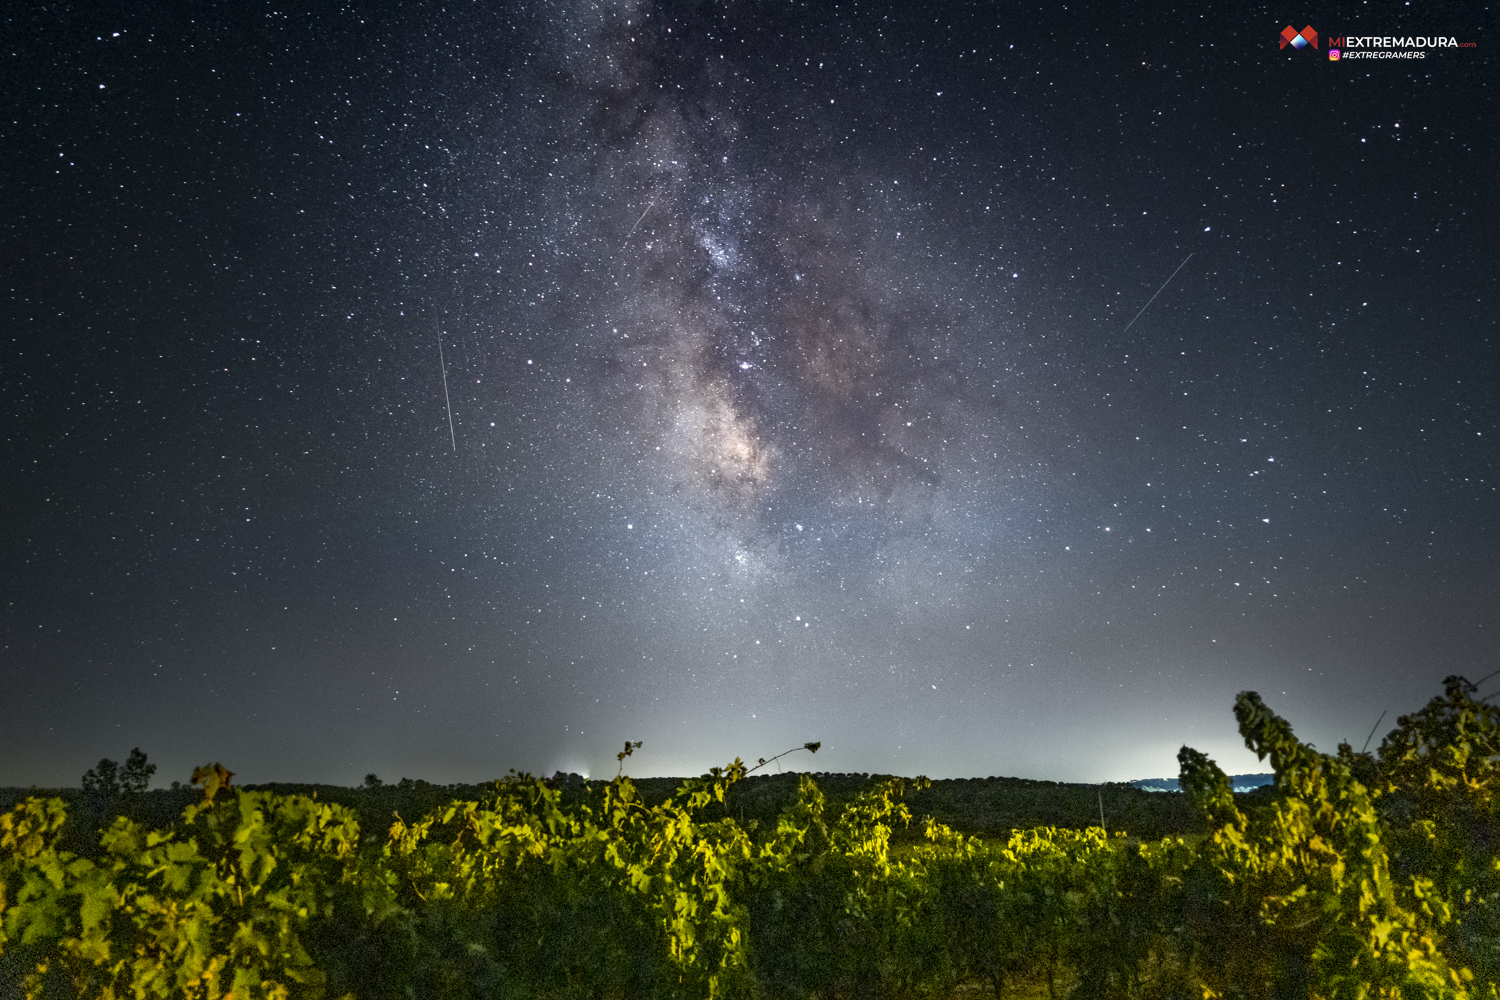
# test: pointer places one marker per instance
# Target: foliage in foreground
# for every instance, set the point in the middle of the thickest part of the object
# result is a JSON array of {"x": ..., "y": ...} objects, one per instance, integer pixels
[{"x": 1362, "y": 876}]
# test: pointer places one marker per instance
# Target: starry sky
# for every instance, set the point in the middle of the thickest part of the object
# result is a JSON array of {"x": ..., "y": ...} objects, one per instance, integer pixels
[{"x": 438, "y": 389}]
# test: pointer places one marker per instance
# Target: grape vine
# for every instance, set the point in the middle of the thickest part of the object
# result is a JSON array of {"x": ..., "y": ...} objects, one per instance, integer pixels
[{"x": 1359, "y": 875}]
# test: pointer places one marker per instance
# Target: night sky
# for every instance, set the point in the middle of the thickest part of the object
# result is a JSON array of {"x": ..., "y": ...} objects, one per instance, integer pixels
[{"x": 794, "y": 385}]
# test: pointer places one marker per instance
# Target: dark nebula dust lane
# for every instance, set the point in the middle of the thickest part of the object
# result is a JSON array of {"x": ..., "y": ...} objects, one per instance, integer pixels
[{"x": 438, "y": 391}]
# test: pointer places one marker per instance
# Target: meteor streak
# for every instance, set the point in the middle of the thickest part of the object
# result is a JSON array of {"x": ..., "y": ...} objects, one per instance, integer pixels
[
  {"x": 643, "y": 216},
  {"x": 444, "y": 366},
  {"x": 1152, "y": 299}
]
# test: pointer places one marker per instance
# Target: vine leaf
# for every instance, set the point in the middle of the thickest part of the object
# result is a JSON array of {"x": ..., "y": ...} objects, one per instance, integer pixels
[
  {"x": 213, "y": 777},
  {"x": 630, "y": 748}
]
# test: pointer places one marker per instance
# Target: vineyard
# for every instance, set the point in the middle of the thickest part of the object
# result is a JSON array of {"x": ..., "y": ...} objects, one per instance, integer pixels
[{"x": 1358, "y": 875}]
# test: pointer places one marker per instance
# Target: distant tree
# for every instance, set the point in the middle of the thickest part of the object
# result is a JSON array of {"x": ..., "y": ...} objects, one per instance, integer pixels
[
  {"x": 372, "y": 781},
  {"x": 107, "y": 778},
  {"x": 137, "y": 774},
  {"x": 103, "y": 778}
]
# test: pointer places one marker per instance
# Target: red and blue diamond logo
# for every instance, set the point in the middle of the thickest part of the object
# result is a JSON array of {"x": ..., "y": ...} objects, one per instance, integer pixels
[{"x": 1298, "y": 39}]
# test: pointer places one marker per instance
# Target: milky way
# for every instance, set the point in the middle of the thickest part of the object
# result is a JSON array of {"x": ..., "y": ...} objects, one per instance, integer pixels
[{"x": 805, "y": 374}]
